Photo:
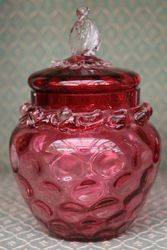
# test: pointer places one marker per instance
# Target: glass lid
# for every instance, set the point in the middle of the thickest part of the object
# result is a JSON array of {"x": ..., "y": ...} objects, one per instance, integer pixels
[{"x": 83, "y": 72}]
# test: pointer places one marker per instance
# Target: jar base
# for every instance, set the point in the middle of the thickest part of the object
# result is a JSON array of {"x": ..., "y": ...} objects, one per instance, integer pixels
[{"x": 105, "y": 235}]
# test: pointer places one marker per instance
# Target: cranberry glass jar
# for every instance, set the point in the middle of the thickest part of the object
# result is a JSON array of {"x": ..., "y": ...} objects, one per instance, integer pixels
[{"x": 84, "y": 153}]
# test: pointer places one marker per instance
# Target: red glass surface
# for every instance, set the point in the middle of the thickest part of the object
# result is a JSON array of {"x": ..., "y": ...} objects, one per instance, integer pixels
[
  {"x": 85, "y": 168},
  {"x": 84, "y": 153},
  {"x": 82, "y": 74}
]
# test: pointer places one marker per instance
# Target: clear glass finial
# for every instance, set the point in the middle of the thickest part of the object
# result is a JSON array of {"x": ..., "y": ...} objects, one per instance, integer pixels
[{"x": 84, "y": 36}]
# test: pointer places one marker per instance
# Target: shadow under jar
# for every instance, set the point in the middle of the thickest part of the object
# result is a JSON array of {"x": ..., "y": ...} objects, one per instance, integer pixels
[{"x": 84, "y": 153}]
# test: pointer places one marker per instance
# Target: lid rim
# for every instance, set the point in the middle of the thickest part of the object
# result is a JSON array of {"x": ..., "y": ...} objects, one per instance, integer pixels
[{"x": 83, "y": 73}]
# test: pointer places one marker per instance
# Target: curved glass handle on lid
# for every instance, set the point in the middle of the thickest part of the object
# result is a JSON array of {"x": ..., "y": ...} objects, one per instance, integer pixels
[{"x": 84, "y": 36}]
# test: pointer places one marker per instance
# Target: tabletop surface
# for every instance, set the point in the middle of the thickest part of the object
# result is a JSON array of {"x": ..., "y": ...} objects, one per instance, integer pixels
[{"x": 20, "y": 230}]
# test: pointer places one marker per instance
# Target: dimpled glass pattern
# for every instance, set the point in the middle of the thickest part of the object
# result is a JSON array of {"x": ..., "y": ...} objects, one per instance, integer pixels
[
  {"x": 85, "y": 182},
  {"x": 84, "y": 153}
]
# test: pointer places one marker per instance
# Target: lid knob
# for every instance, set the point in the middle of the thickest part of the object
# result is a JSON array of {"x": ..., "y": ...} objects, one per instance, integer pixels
[{"x": 84, "y": 36}]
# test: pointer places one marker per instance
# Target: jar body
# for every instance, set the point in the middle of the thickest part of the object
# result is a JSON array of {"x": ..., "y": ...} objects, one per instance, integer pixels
[{"x": 85, "y": 175}]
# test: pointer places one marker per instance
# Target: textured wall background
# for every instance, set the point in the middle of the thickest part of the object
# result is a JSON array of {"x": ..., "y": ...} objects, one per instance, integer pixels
[{"x": 33, "y": 32}]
